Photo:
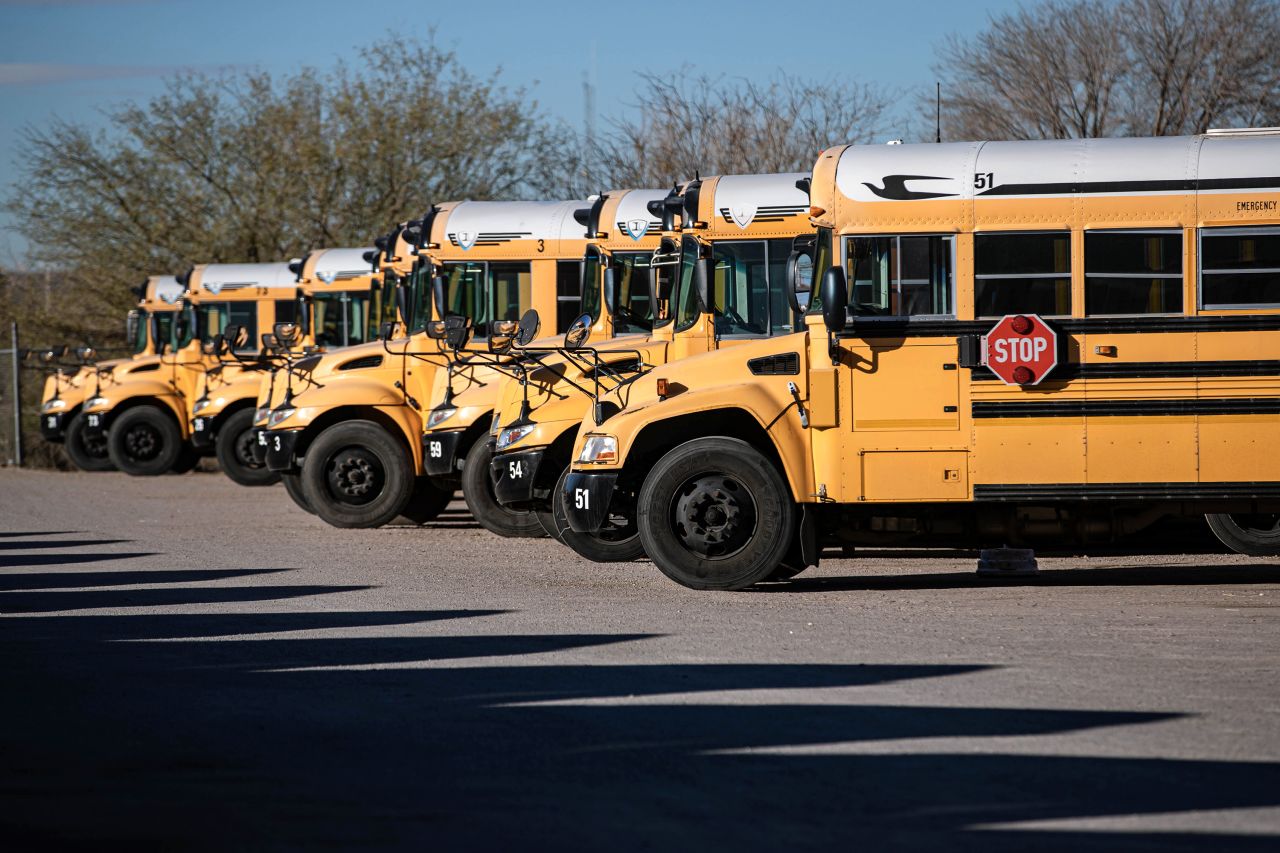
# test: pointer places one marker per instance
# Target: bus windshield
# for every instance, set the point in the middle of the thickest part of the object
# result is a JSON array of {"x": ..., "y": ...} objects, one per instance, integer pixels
[
  {"x": 136, "y": 330},
  {"x": 631, "y": 280},
  {"x": 339, "y": 318},
  {"x": 382, "y": 304},
  {"x": 211, "y": 318}
]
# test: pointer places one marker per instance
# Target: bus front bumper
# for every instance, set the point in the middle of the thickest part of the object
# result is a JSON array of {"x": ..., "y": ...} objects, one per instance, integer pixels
[
  {"x": 440, "y": 453},
  {"x": 53, "y": 427},
  {"x": 202, "y": 434},
  {"x": 513, "y": 476},
  {"x": 586, "y": 498},
  {"x": 280, "y": 445}
]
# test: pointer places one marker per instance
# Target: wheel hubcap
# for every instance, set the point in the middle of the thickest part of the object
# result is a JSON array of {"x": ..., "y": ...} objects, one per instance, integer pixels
[
  {"x": 95, "y": 446},
  {"x": 714, "y": 515},
  {"x": 244, "y": 450},
  {"x": 142, "y": 442},
  {"x": 355, "y": 476}
]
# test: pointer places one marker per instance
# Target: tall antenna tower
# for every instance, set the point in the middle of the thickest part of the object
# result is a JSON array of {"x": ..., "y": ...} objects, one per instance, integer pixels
[{"x": 589, "y": 108}]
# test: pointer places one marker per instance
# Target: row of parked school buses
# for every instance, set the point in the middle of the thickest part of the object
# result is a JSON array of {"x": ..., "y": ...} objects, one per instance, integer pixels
[{"x": 735, "y": 374}]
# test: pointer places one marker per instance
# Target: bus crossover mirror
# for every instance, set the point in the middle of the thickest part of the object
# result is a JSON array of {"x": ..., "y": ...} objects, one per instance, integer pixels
[
  {"x": 437, "y": 295},
  {"x": 287, "y": 334},
  {"x": 387, "y": 331},
  {"x": 835, "y": 299},
  {"x": 799, "y": 280},
  {"x": 578, "y": 332},
  {"x": 46, "y": 356},
  {"x": 436, "y": 330},
  {"x": 86, "y": 354},
  {"x": 237, "y": 336},
  {"x": 457, "y": 331},
  {"x": 528, "y": 327},
  {"x": 59, "y": 351},
  {"x": 501, "y": 335}
]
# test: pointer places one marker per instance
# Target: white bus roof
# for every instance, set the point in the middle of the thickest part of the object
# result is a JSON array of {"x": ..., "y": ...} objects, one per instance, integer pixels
[
  {"x": 743, "y": 199},
  {"x": 1059, "y": 167},
  {"x": 220, "y": 278},
  {"x": 332, "y": 265},
  {"x": 492, "y": 223},
  {"x": 633, "y": 217},
  {"x": 166, "y": 288}
]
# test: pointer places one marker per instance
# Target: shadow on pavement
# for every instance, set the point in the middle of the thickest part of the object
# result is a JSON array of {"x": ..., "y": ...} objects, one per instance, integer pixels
[
  {"x": 1176, "y": 575},
  {"x": 14, "y": 561},
  {"x": 118, "y": 739},
  {"x": 76, "y": 580},
  {"x": 59, "y": 543}
]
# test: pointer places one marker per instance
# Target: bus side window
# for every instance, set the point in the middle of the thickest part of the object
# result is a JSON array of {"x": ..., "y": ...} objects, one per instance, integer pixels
[
  {"x": 568, "y": 274},
  {"x": 286, "y": 310},
  {"x": 1022, "y": 273},
  {"x": 1132, "y": 272},
  {"x": 1240, "y": 267},
  {"x": 900, "y": 276}
]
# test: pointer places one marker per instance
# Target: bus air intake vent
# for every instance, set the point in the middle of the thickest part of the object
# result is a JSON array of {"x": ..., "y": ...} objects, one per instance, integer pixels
[
  {"x": 783, "y": 364},
  {"x": 362, "y": 363}
]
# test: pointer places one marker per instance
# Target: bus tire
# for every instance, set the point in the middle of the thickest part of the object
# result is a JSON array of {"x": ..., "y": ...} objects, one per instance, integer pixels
[
  {"x": 188, "y": 460},
  {"x": 612, "y": 544},
  {"x": 293, "y": 487},
  {"x": 356, "y": 474},
  {"x": 144, "y": 442},
  {"x": 427, "y": 502},
  {"x": 715, "y": 514},
  {"x": 477, "y": 490},
  {"x": 87, "y": 454},
  {"x": 1252, "y": 535},
  {"x": 235, "y": 452}
]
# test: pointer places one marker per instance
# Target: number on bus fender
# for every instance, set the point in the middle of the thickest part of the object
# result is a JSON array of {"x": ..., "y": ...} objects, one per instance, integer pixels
[
  {"x": 435, "y": 449},
  {"x": 582, "y": 499},
  {"x": 94, "y": 420},
  {"x": 276, "y": 443},
  {"x": 514, "y": 470}
]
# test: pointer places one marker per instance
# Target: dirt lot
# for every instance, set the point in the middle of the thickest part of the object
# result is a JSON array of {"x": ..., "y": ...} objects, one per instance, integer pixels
[{"x": 193, "y": 665}]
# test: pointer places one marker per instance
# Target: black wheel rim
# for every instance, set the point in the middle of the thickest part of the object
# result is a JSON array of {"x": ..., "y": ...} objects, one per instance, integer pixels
[
  {"x": 620, "y": 525},
  {"x": 1258, "y": 525},
  {"x": 354, "y": 475},
  {"x": 713, "y": 515},
  {"x": 143, "y": 442},
  {"x": 243, "y": 450},
  {"x": 94, "y": 446}
]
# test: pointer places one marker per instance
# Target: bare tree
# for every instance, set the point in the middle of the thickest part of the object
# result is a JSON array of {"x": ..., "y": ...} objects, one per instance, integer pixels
[
  {"x": 248, "y": 167},
  {"x": 1081, "y": 68},
  {"x": 684, "y": 124}
]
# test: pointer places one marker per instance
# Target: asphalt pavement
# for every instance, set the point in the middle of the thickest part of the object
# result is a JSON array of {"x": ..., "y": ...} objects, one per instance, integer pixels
[{"x": 192, "y": 665}]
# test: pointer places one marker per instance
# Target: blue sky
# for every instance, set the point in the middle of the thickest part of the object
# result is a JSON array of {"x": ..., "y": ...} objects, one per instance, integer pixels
[{"x": 72, "y": 58}]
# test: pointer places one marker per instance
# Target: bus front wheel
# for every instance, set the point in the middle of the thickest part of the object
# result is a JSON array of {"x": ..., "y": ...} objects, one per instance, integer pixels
[
  {"x": 293, "y": 487},
  {"x": 715, "y": 514},
  {"x": 235, "y": 452},
  {"x": 356, "y": 474},
  {"x": 144, "y": 442},
  {"x": 1256, "y": 535},
  {"x": 88, "y": 453},
  {"x": 477, "y": 490},
  {"x": 617, "y": 541}
]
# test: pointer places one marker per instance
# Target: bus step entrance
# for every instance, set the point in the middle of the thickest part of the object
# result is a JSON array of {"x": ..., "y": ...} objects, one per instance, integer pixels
[{"x": 1008, "y": 563}]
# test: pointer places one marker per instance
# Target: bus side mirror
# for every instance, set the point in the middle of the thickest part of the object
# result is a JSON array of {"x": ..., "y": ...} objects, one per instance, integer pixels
[
  {"x": 501, "y": 334},
  {"x": 437, "y": 295},
  {"x": 269, "y": 341},
  {"x": 835, "y": 299},
  {"x": 702, "y": 285},
  {"x": 59, "y": 351},
  {"x": 386, "y": 331},
  {"x": 799, "y": 280},
  {"x": 611, "y": 291},
  {"x": 457, "y": 330},
  {"x": 86, "y": 354},
  {"x": 436, "y": 330},
  {"x": 402, "y": 306},
  {"x": 237, "y": 337}
]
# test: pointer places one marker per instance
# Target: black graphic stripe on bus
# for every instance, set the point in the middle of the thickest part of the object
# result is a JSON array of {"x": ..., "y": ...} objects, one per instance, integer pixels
[
  {"x": 1135, "y": 187},
  {"x": 1123, "y": 491},
  {"x": 936, "y": 328},
  {"x": 1148, "y": 370},
  {"x": 1132, "y": 408}
]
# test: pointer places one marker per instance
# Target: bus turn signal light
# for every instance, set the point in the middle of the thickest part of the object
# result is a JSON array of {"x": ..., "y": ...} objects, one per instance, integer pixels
[
  {"x": 662, "y": 388},
  {"x": 816, "y": 211}
]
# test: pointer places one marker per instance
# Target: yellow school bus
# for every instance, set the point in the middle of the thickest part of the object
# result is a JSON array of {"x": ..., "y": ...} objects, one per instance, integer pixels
[
  {"x": 148, "y": 328},
  {"x": 353, "y": 428},
  {"x": 748, "y": 225},
  {"x": 332, "y": 307},
  {"x": 344, "y": 297},
  {"x": 148, "y": 418},
  {"x": 1154, "y": 266}
]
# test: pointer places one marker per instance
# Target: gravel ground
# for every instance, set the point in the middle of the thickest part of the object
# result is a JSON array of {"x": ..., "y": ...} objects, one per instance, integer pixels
[{"x": 192, "y": 665}]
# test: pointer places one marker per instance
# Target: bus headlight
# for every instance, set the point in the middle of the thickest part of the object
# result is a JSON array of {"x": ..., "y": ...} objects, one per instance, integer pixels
[
  {"x": 511, "y": 435},
  {"x": 279, "y": 416},
  {"x": 201, "y": 404},
  {"x": 599, "y": 449},
  {"x": 261, "y": 414},
  {"x": 53, "y": 405},
  {"x": 95, "y": 402},
  {"x": 439, "y": 416}
]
